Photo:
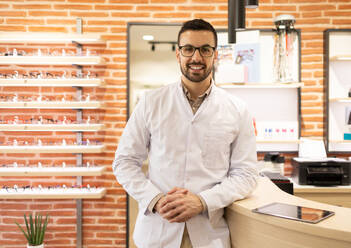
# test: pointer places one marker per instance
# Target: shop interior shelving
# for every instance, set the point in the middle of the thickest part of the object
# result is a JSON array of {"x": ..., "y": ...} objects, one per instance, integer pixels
[
  {"x": 52, "y": 127},
  {"x": 74, "y": 82},
  {"x": 79, "y": 60},
  {"x": 51, "y": 60},
  {"x": 66, "y": 193},
  {"x": 52, "y": 105},
  {"x": 53, "y": 149},
  {"x": 51, "y": 171},
  {"x": 337, "y": 66},
  {"x": 272, "y": 104}
]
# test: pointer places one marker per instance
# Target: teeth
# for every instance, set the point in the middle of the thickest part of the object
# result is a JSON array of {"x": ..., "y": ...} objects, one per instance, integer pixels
[{"x": 196, "y": 67}]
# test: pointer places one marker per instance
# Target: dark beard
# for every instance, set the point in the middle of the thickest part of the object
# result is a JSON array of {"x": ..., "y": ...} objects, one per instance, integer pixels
[{"x": 195, "y": 79}]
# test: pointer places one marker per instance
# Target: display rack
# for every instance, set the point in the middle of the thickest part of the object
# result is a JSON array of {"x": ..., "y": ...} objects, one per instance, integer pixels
[
  {"x": 53, "y": 149},
  {"x": 51, "y": 171},
  {"x": 274, "y": 105},
  {"x": 52, "y": 127},
  {"x": 52, "y": 105},
  {"x": 78, "y": 61},
  {"x": 54, "y": 194},
  {"x": 51, "y": 60},
  {"x": 52, "y": 82},
  {"x": 337, "y": 64}
]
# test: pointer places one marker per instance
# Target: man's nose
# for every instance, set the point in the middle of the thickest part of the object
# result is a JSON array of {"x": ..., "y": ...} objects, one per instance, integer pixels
[{"x": 197, "y": 56}]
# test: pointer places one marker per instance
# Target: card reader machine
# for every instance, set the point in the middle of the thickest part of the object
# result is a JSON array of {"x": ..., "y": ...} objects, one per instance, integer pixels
[{"x": 322, "y": 173}]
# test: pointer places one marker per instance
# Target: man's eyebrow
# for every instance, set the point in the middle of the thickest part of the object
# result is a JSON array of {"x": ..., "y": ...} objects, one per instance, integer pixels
[{"x": 196, "y": 46}]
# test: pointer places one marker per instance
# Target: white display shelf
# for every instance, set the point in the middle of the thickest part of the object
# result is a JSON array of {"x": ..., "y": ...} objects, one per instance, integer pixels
[
  {"x": 339, "y": 145},
  {"x": 51, "y": 127},
  {"x": 341, "y": 99},
  {"x": 278, "y": 141},
  {"x": 52, "y": 82},
  {"x": 52, "y": 105},
  {"x": 292, "y": 85},
  {"x": 53, "y": 149},
  {"x": 51, "y": 60},
  {"x": 277, "y": 145},
  {"x": 45, "y": 193},
  {"x": 25, "y": 37},
  {"x": 341, "y": 58},
  {"x": 341, "y": 141},
  {"x": 52, "y": 171}
]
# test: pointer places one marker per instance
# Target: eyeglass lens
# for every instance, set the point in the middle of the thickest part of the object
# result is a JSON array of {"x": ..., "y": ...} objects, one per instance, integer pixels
[{"x": 205, "y": 51}]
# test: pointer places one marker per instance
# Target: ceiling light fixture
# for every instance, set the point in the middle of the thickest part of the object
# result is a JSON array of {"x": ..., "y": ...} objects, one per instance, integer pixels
[{"x": 148, "y": 37}]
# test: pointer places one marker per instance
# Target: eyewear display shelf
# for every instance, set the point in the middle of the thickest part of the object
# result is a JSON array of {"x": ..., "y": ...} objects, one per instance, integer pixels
[
  {"x": 337, "y": 59},
  {"x": 78, "y": 61},
  {"x": 67, "y": 193},
  {"x": 275, "y": 106}
]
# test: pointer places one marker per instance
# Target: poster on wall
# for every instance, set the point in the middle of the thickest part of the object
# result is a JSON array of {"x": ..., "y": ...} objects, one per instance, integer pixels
[{"x": 248, "y": 55}]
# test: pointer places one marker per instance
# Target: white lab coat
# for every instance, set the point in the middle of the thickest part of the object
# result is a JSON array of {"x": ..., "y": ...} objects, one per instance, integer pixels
[{"x": 211, "y": 153}]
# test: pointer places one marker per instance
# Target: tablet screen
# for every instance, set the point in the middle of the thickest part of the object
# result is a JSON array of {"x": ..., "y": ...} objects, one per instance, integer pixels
[{"x": 305, "y": 214}]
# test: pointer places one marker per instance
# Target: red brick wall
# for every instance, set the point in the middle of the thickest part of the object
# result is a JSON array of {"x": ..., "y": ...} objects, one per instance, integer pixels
[{"x": 104, "y": 221}]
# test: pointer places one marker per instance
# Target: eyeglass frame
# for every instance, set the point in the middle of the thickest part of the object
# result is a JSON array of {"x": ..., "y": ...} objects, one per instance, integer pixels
[{"x": 197, "y": 48}]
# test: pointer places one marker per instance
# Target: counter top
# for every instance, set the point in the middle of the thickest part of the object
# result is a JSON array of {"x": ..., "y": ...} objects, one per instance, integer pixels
[{"x": 254, "y": 230}]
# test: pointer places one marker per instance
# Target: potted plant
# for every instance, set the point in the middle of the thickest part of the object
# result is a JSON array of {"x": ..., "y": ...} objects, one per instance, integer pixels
[{"x": 35, "y": 230}]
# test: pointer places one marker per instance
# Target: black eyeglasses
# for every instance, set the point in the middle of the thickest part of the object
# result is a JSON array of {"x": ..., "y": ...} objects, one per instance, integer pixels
[{"x": 189, "y": 50}]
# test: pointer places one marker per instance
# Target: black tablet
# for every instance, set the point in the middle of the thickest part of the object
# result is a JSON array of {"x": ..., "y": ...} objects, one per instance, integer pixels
[{"x": 293, "y": 212}]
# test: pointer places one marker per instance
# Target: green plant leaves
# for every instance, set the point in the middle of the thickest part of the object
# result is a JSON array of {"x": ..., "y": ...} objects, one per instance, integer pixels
[{"x": 35, "y": 228}]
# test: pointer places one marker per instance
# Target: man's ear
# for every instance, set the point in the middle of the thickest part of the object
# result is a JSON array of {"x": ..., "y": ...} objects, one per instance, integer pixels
[
  {"x": 215, "y": 56},
  {"x": 178, "y": 54}
]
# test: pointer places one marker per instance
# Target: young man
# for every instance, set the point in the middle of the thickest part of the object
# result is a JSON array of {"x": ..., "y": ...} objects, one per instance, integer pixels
[{"x": 201, "y": 148}]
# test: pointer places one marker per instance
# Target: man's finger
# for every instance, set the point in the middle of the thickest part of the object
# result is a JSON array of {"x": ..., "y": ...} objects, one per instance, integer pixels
[
  {"x": 179, "y": 218},
  {"x": 177, "y": 190}
]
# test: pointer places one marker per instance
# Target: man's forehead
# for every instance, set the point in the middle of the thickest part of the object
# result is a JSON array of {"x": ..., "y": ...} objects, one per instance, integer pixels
[{"x": 203, "y": 36}]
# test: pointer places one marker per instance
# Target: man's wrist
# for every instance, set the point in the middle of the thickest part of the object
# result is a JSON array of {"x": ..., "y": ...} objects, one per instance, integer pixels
[
  {"x": 152, "y": 205},
  {"x": 203, "y": 203}
]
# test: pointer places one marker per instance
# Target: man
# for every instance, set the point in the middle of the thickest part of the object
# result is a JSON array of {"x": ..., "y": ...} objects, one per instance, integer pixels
[{"x": 201, "y": 148}]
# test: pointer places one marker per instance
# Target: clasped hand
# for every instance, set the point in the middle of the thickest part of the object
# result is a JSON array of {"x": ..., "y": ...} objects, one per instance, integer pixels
[{"x": 179, "y": 205}]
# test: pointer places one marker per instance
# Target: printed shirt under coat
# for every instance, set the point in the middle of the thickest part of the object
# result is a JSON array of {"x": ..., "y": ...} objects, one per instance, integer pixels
[{"x": 211, "y": 153}]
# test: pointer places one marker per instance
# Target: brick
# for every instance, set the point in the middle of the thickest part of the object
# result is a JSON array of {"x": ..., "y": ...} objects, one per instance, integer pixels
[
  {"x": 47, "y": 13},
  {"x": 341, "y": 22},
  {"x": 73, "y": 6},
  {"x": 128, "y": 14},
  {"x": 31, "y": 6},
  {"x": 25, "y": 21},
  {"x": 311, "y": 15},
  {"x": 278, "y": 8},
  {"x": 86, "y": 1},
  {"x": 314, "y": 21},
  {"x": 104, "y": 23},
  {"x": 344, "y": 6},
  {"x": 13, "y": 13},
  {"x": 12, "y": 28},
  {"x": 113, "y": 7},
  {"x": 154, "y": 8},
  {"x": 209, "y": 1},
  {"x": 95, "y": 29},
  {"x": 85, "y": 14},
  {"x": 210, "y": 15},
  {"x": 60, "y": 22},
  {"x": 47, "y": 29},
  {"x": 195, "y": 8},
  {"x": 337, "y": 13}
]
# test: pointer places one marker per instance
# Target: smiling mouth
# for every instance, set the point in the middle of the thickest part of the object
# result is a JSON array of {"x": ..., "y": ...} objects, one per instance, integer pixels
[{"x": 196, "y": 68}]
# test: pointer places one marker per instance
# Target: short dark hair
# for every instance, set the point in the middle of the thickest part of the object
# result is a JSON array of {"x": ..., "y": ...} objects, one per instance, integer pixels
[{"x": 197, "y": 25}]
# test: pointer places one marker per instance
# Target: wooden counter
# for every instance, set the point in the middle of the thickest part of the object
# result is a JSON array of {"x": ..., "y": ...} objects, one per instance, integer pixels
[
  {"x": 335, "y": 195},
  {"x": 252, "y": 230}
]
